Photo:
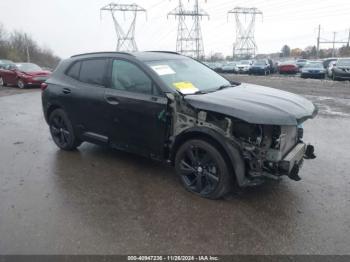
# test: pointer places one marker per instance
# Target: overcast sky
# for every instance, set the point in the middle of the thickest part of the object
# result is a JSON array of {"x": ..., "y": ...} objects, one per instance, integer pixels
[{"x": 75, "y": 26}]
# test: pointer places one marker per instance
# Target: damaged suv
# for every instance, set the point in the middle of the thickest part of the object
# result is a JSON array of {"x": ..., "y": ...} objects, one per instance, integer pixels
[{"x": 174, "y": 109}]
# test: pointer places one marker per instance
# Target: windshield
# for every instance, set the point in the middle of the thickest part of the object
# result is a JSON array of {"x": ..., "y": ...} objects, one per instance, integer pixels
[
  {"x": 244, "y": 62},
  {"x": 187, "y": 75},
  {"x": 27, "y": 67},
  {"x": 314, "y": 65},
  {"x": 343, "y": 62},
  {"x": 260, "y": 62}
]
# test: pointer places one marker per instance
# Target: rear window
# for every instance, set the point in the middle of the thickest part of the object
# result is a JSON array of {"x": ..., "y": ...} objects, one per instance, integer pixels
[
  {"x": 74, "y": 70},
  {"x": 92, "y": 71}
]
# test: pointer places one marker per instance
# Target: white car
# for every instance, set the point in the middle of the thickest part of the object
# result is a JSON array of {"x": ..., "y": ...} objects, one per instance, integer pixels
[
  {"x": 229, "y": 68},
  {"x": 243, "y": 66}
]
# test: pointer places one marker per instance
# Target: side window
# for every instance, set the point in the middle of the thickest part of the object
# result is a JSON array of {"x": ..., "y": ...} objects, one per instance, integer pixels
[
  {"x": 127, "y": 76},
  {"x": 93, "y": 71},
  {"x": 74, "y": 70}
]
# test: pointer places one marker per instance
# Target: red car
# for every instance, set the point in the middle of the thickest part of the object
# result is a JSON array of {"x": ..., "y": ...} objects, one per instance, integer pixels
[
  {"x": 23, "y": 75},
  {"x": 288, "y": 68}
]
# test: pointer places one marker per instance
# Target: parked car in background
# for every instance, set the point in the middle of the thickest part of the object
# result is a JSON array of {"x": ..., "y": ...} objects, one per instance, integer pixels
[
  {"x": 171, "y": 108},
  {"x": 301, "y": 62},
  {"x": 313, "y": 69},
  {"x": 288, "y": 67},
  {"x": 341, "y": 70},
  {"x": 329, "y": 70},
  {"x": 4, "y": 63},
  {"x": 243, "y": 66},
  {"x": 260, "y": 67},
  {"x": 216, "y": 66},
  {"x": 230, "y": 67},
  {"x": 327, "y": 61},
  {"x": 273, "y": 66},
  {"x": 23, "y": 75}
]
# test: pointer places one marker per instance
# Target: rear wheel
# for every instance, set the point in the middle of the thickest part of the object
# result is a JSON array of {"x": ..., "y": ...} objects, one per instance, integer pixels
[
  {"x": 202, "y": 169},
  {"x": 62, "y": 132}
]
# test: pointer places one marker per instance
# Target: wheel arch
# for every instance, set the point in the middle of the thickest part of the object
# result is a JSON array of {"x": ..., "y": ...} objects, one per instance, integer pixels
[
  {"x": 50, "y": 109},
  {"x": 230, "y": 153}
]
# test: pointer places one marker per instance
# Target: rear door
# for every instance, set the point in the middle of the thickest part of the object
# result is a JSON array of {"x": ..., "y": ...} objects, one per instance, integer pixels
[
  {"x": 83, "y": 97},
  {"x": 136, "y": 110}
]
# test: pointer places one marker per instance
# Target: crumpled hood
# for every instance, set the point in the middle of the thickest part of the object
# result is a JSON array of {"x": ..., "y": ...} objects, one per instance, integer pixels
[{"x": 256, "y": 104}]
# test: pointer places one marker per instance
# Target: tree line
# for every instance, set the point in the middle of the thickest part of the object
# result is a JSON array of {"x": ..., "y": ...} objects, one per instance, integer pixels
[
  {"x": 311, "y": 52},
  {"x": 20, "y": 47}
]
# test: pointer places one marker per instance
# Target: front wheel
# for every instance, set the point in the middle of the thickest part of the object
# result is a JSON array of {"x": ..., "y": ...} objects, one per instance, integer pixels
[
  {"x": 202, "y": 169},
  {"x": 21, "y": 84},
  {"x": 61, "y": 130}
]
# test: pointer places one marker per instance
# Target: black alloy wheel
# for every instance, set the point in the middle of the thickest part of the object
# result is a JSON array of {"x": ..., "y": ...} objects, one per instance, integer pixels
[
  {"x": 61, "y": 131},
  {"x": 202, "y": 169}
]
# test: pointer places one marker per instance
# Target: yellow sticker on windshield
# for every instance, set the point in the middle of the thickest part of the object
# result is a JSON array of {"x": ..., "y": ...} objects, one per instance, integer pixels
[{"x": 185, "y": 87}]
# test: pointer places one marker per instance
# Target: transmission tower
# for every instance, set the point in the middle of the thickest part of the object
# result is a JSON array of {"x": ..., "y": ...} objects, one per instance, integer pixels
[
  {"x": 126, "y": 38},
  {"x": 245, "y": 45},
  {"x": 189, "y": 39}
]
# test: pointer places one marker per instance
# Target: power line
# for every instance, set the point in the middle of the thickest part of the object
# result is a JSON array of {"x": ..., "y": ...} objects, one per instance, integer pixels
[
  {"x": 333, "y": 42},
  {"x": 126, "y": 38}
]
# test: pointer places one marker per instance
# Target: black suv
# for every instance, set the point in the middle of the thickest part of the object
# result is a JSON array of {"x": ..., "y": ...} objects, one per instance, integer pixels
[{"x": 174, "y": 109}]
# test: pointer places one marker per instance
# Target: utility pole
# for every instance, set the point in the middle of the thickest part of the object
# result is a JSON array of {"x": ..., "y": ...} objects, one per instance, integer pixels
[
  {"x": 245, "y": 45},
  {"x": 318, "y": 41},
  {"x": 333, "y": 42},
  {"x": 189, "y": 39},
  {"x": 333, "y": 50},
  {"x": 126, "y": 38},
  {"x": 27, "y": 48}
]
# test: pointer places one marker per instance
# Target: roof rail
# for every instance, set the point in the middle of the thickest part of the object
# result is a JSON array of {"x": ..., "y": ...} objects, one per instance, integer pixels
[
  {"x": 167, "y": 52},
  {"x": 99, "y": 53}
]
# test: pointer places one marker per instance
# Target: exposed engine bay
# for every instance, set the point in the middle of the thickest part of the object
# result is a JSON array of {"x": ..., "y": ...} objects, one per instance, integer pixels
[{"x": 268, "y": 151}]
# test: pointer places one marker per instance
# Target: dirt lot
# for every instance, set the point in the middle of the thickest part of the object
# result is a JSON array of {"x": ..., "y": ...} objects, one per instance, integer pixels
[{"x": 100, "y": 201}]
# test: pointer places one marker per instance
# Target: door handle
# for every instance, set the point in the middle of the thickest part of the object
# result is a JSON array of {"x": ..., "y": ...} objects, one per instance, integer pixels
[
  {"x": 66, "y": 91},
  {"x": 112, "y": 100}
]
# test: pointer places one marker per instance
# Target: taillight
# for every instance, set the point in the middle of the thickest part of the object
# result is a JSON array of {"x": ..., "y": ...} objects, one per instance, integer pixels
[{"x": 43, "y": 86}]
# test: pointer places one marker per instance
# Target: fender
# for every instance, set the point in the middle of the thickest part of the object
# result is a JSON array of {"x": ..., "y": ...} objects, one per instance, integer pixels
[{"x": 230, "y": 149}]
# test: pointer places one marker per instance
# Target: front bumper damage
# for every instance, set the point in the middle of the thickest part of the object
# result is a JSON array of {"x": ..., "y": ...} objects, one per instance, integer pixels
[
  {"x": 289, "y": 165},
  {"x": 292, "y": 162}
]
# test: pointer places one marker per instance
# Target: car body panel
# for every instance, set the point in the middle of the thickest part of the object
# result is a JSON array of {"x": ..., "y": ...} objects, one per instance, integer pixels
[{"x": 256, "y": 104}]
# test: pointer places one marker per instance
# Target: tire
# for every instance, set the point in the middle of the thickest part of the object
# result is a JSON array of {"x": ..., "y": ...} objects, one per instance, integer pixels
[
  {"x": 202, "y": 169},
  {"x": 62, "y": 131},
  {"x": 21, "y": 84}
]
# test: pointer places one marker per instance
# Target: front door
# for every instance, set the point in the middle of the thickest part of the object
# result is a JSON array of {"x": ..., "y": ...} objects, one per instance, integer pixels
[{"x": 137, "y": 110}]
